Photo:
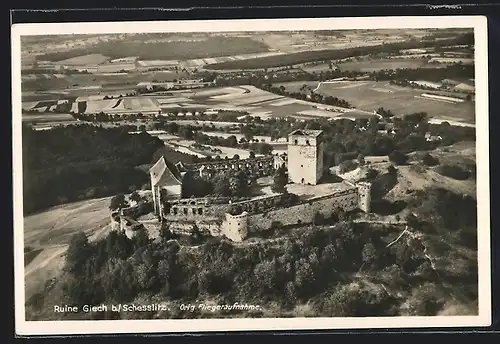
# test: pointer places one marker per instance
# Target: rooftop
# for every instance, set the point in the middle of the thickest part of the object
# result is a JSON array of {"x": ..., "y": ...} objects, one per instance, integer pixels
[
  {"x": 306, "y": 132},
  {"x": 161, "y": 167}
]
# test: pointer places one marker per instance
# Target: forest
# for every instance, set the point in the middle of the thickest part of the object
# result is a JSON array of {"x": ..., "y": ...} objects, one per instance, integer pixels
[{"x": 71, "y": 163}]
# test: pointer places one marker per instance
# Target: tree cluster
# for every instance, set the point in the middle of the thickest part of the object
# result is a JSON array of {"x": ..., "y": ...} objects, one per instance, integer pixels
[{"x": 76, "y": 162}]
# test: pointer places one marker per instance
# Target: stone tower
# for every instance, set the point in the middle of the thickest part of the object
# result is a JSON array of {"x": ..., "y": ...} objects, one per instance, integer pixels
[
  {"x": 305, "y": 156},
  {"x": 364, "y": 196}
]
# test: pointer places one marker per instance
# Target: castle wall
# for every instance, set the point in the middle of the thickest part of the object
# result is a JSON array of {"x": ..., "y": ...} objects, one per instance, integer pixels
[
  {"x": 257, "y": 205},
  {"x": 208, "y": 226},
  {"x": 304, "y": 212},
  {"x": 254, "y": 167},
  {"x": 319, "y": 161},
  {"x": 193, "y": 210}
]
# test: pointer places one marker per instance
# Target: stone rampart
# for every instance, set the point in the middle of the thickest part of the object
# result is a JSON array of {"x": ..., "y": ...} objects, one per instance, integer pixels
[{"x": 304, "y": 212}]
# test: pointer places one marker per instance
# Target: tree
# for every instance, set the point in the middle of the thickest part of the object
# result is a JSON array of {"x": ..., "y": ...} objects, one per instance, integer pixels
[
  {"x": 391, "y": 169},
  {"x": 371, "y": 174},
  {"x": 141, "y": 238},
  {"x": 398, "y": 157},
  {"x": 134, "y": 196},
  {"x": 118, "y": 202},
  {"x": 429, "y": 160},
  {"x": 346, "y": 166},
  {"x": 221, "y": 186},
  {"x": 236, "y": 157},
  {"x": 79, "y": 251},
  {"x": 266, "y": 276},
  {"x": 252, "y": 154},
  {"x": 280, "y": 180},
  {"x": 412, "y": 221},
  {"x": 369, "y": 253},
  {"x": 361, "y": 159}
]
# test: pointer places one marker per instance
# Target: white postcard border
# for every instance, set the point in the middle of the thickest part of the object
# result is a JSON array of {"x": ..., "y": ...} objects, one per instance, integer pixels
[{"x": 27, "y": 328}]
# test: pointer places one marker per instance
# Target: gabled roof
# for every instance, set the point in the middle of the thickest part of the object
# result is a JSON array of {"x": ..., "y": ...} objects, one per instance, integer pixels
[
  {"x": 164, "y": 172},
  {"x": 306, "y": 132}
]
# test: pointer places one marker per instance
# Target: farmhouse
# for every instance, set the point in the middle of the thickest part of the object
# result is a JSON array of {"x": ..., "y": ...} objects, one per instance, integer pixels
[{"x": 236, "y": 218}]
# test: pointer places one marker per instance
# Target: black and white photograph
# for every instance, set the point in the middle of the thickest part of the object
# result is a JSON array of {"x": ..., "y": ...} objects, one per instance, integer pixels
[{"x": 219, "y": 175}]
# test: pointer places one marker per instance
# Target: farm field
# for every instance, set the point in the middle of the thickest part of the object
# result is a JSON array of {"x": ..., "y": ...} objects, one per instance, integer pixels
[
  {"x": 380, "y": 64},
  {"x": 91, "y": 59},
  {"x": 371, "y": 95},
  {"x": 247, "y": 98},
  {"x": 48, "y": 118},
  {"x": 165, "y": 50},
  {"x": 74, "y": 84}
]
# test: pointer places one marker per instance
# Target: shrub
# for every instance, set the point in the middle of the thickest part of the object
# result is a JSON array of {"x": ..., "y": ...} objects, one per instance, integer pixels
[
  {"x": 429, "y": 160},
  {"x": 398, "y": 157},
  {"x": 347, "y": 166},
  {"x": 453, "y": 171},
  {"x": 371, "y": 174}
]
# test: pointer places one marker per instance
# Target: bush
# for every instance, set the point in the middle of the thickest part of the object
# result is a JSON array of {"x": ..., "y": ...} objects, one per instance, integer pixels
[
  {"x": 371, "y": 174},
  {"x": 429, "y": 160},
  {"x": 398, "y": 157},
  {"x": 347, "y": 166},
  {"x": 453, "y": 171}
]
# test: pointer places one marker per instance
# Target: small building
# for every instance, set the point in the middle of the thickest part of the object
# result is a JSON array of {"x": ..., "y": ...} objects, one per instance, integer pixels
[{"x": 166, "y": 182}]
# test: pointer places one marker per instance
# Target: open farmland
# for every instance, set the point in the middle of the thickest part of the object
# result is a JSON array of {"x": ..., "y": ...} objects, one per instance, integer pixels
[
  {"x": 107, "y": 81},
  {"x": 83, "y": 60},
  {"x": 355, "y": 46},
  {"x": 48, "y": 118},
  {"x": 242, "y": 99},
  {"x": 371, "y": 95},
  {"x": 165, "y": 50},
  {"x": 381, "y": 64}
]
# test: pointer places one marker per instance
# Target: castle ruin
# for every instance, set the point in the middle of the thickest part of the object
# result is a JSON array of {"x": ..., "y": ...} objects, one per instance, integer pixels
[{"x": 237, "y": 218}]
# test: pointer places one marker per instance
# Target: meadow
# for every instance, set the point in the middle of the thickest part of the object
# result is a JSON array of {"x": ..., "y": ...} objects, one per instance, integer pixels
[
  {"x": 109, "y": 81},
  {"x": 46, "y": 118},
  {"x": 371, "y": 95},
  {"x": 381, "y": 64}
]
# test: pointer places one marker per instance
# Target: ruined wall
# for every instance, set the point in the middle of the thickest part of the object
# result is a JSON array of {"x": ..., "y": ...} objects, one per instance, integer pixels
[
  {"x": 257, "y": 205},
  {"x": 254, "y": 167},
  {"x": 206, "y": 226},
  {"x": 195, "y": 208},
  {"x": 304, "y": 212}
]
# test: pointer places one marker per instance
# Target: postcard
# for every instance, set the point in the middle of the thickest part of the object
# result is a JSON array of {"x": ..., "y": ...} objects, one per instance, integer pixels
[{"x": 249, "y": 175}]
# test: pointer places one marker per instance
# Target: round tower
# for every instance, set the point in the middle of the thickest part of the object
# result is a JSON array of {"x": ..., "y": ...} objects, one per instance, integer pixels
[{"x": 364, "y": 196}]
